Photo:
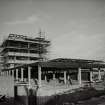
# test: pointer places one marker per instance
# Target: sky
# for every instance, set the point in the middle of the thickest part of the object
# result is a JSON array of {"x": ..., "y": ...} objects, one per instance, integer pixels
[{"x": 76, "y": 28}]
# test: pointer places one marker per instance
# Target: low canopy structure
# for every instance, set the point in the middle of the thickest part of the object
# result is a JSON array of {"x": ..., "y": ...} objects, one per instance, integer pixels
[{"x": 61, "y": 63}]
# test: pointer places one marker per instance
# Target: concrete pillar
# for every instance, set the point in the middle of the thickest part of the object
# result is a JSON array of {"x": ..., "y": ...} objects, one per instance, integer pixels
[
  {"x": 65, "y": 77},
  {"x": 3, "y": 73},
  {"x": 45, "y": 77},
  {"x": 79, "y": 76},
  {"x": 9, "y": 72},
  {"x": 6, "y": 73},
  {"x": 99, "y": 74},
  {"x": 68, "y": 77},
  {"x": 39, "y": 75},
  {"x": 53, "y": 76},
  {"x": 16, "y": 74},
  {"x": 91, "y": 75},
  {"x": 22, "y": 74},
  {"x": 29, "y": 75},
  {"x": 13, "y": 73}
]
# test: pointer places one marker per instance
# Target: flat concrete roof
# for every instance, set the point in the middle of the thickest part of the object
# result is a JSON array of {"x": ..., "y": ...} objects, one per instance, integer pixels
[{"x": 67, "y": 64}]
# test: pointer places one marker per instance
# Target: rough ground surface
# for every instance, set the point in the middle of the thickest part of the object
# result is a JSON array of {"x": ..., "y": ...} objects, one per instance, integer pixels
[{"x": 7, "y": 83}]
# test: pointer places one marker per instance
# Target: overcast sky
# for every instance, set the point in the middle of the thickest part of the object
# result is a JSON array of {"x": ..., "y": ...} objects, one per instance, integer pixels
[{"x": 76, "y": 28}]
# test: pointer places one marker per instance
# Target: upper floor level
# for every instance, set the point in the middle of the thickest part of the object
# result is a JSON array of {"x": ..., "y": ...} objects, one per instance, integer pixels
[{"x": 20, "y": 43}]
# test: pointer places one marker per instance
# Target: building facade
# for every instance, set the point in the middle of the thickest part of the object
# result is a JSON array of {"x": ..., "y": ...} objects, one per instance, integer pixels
[{"x": 18, "y": 49}]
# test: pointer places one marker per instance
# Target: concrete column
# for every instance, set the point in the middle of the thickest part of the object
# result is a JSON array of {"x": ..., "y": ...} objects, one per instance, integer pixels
[
  {"x": 65, "y": 77},
  {"x": 99, "y": 74},
  {"x": 53, "y": 76},
  {"x": 3, "y": 73},
  {"x": 29, "y": 75},
  {"x": 22, "y": 74},
  {"x": 13, "y": 73},
  {"x": 68, "y": 77},
  {"x": 79, "y": 76},
  {"x": 45, "y": 77},
  {"x": 39, "y": 75},
  {"x": 9, "y": 72},
  {"x": 16, "y": 74},
  {"x": 91, "y": 75}
]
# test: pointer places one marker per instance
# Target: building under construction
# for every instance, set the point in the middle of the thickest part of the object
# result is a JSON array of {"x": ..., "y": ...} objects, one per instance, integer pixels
[
  {"x": 18, "y": 50},
  {"x": 24, "y": 59}
]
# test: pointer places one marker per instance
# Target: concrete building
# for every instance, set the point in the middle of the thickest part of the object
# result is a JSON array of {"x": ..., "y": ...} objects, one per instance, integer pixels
[
  {"x": 23, "y": 59},
  {"x": 17, "y": 50}
]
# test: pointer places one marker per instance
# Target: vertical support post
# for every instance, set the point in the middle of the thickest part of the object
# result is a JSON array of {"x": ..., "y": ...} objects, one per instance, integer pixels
[
  {"x": 45, "y": 77},
  {"x": 22, "y": 77},
  {"x": 99, "y": 74},
  {"x": 3, "y": 73},
  {"x": 6, "y": 73},
  {"x": 65, "y": 77},
  {"x": 9, "y": 72},
  {"x": 13, "y": 73},
  {"x": 16, "y": 74},
  {"x": 39, "y": 75},
  {"x": 91, "y": 75},
  {"x": 79, "y": 76},
  {"x": 53, "y": 76},
  {"x": 29, "y": 75}
]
